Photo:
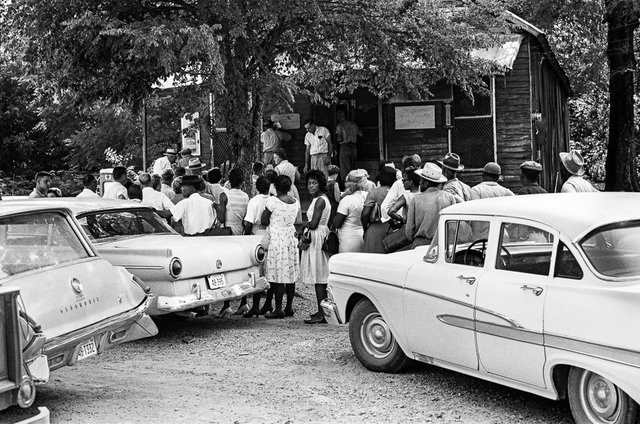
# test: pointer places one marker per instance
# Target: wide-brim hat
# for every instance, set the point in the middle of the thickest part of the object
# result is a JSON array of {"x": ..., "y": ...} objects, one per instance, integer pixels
[
  {"x": 185, "y": 151},
  {"x": 432, "y": 172},
  {"x": 573, "y": 162},
  {"x": 195, "y": 163},
  {"x": 451, "y": 161},
  {"x": 192, "y": 180},
  {"x": 171, "y": 152}
]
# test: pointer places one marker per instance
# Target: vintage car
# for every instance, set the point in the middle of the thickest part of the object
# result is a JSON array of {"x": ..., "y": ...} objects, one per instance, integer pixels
[
  {"x": 80, "y": 302},
  {"x": 540, "y": 293},
  {"x": 182, "y": 273}
]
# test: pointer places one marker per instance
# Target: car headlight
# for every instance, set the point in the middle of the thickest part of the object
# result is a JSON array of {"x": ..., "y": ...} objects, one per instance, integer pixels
[
  {"x": 260, "y": 254},
  {"x": 175, "y": 267}
]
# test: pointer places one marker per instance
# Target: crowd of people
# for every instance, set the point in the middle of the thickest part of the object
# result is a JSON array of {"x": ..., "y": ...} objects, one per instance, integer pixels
[{"x": 396, "y": 210}]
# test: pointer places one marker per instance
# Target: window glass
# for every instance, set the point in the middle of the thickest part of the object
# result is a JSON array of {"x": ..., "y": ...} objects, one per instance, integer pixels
[
  {"x": 465, "y": 245},
  {"x": 432, "y": 252},
  {"x": 614, "y": 250},
  {"x": 525, "y": 248},
  {"x": 566, "y": 264},
  {"x": 33, "y": 241},
  {"x": 133, "y": 222}
]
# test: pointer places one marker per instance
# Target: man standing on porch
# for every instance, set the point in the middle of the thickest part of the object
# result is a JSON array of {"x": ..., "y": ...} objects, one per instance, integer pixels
[
  {"x": 347, "y": 133},
  {"x": 319, "y": 147}
]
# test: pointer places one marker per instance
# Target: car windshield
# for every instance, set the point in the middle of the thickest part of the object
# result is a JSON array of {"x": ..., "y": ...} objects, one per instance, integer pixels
[
  {"x": 131, "y": 222},
  {"x": 614, "y": 250}
]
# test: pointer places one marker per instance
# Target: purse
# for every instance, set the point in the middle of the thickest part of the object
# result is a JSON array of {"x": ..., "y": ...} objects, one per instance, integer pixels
[
  {"x": 305, "y": 240},
  {"x": 331, "y": 243},
  {"x": 395, "y": 241}
]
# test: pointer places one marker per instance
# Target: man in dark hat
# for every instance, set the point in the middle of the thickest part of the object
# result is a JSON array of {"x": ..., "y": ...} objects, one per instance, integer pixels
[
  {"x": 165, "y": 162},
  {"x": 450, "y": 166},
  {"x": 195, "y": 213},
  {"x": 572, "y": 171},
  {"x": 489, "y": 186},
  {"x": 530, "y": 177}
]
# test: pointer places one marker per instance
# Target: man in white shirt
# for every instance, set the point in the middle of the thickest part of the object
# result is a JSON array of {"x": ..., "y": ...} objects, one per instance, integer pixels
[
  {"x": 572, "y": 171},
  {"x": 165, "y": 162},
  {"x": 196, "y": 213},
  {"x": 150, "y": 197},
  {"x": 116, "y": 189},
  {"x": 489, "y": 186},
  {"x": 90, "y": 186},
  {"x": 398, "y": 189},
  {"x": 318, "y": 147},
  {"x": 165, "y": 187}
]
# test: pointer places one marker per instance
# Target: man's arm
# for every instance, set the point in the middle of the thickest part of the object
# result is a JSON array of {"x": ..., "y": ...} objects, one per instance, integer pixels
[{"x": 307, "y": 159}]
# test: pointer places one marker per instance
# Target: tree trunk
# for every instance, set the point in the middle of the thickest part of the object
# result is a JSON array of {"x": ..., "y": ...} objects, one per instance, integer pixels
[{"x": 621, "y": 171}]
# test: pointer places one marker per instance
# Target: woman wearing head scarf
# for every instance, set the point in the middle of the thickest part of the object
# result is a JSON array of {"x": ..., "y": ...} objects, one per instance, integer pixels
[
  {"x": 375, "y": 227},
  {"x": 347, "y": 219}
]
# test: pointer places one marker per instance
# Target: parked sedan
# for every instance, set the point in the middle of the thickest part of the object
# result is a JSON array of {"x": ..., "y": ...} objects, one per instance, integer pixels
[
  {"x": 538, "y": 292},
  {"x": 182, "y": 273},
  {"x": 80, "y": 302}
]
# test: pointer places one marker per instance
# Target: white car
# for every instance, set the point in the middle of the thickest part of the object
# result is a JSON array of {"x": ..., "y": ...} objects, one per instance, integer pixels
[
  {"x": 539, "y": 293},
  {"x": 183, "y": 274}
]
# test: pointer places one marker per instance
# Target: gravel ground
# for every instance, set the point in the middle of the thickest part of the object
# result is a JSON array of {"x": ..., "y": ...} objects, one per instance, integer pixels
[{"x": 237, "y": 370}]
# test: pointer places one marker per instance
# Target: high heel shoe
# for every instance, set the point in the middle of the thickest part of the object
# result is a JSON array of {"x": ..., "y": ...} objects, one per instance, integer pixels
[
  {"x": 243, "y": 309},
  {"x": 225, "y": 313},
  {"x": 251, "y": 312},
  {"x": 274, "y": 314},
  {"x": 265, "y": 309}
]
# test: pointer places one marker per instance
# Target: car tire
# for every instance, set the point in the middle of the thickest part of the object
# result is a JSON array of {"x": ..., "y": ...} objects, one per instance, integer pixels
[
  {"x": 594, "y": 399},
  {"x": 372, "y": 341}
]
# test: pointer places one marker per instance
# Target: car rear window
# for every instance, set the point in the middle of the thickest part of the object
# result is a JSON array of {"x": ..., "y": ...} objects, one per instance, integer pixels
[
  {"x": 133, "y": 222},
  {"x": 37, "y": 240},
  {"x": 614, "y": 250}
]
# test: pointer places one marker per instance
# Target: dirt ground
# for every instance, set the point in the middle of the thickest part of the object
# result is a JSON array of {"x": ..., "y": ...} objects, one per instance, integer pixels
[{"x": 236, "y": 370}]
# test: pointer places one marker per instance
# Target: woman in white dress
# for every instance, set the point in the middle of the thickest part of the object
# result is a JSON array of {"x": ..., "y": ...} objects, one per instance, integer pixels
[
  {"x": 283, "y": 263},
  {"x": 314, "y": 263},
  {"x": 347, "y": 220},
  {"x": 284, "y": 167}
]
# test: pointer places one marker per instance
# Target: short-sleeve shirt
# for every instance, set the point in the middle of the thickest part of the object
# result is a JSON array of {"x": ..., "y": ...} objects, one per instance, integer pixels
[
  {"x": 488, "y": 189},
  {"x": 270, "y": 140},
  {"x": 86, "y": 193},
  {"x": 318, "y": 142},
  {"x": 160, "y": 165},
  {"x": 196, "y": 212},
  {"x": 255, "y": 207},
  {"x": 396, "y": 191},
  {"x": 156, "y": 199},
  {"x": 347, "y": 132},
  {"x": 351, "y": 207},
  {"x": 576, "y": 184},
  {"x": 115, "y": 190}
]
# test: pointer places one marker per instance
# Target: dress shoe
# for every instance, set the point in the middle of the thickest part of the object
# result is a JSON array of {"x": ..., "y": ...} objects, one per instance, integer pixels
[
  {"x": 315, "y": 314},
  {"x": 225, "y": 313},
  {"x": 288, "y": 312},
  {"x": 251, "y": 312},
  {"x": 318, "y": 319},
  {"x": 243, "y": 309},
  {"x": 266, "y": 308},
  {"x": 274, "y": 314}
]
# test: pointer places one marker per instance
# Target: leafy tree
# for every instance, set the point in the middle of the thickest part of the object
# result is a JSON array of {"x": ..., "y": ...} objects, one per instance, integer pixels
[{"x": 248, "y": 50}]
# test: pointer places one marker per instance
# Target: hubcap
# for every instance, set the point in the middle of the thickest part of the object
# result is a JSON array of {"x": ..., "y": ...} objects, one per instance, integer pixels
[
  {"x": 600, "y": 398},
  {"x": 376, "y": 336}
]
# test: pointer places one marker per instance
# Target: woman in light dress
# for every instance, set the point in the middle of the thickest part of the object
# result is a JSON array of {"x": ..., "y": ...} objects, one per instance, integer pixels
[
  {"x": 284, "y": 167},
  {"x": 283, "y": 264},
  {"x": 347, "y": 220},
  {"x": 314, "y": 262},
  {"x": 374, "y": 219}
]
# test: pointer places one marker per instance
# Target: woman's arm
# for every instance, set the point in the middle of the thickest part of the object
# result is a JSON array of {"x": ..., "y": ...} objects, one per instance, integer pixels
[
  {"x": 393, "y": 210},
  {"x": 365, "y": 216},
  {"x": 338, "y": 220},
  {"x": 222, "y": 212},
  {"x": 266, "y": 217},
  {"x": 317, "y": 214},
  {"x": 247, "y": 227}
]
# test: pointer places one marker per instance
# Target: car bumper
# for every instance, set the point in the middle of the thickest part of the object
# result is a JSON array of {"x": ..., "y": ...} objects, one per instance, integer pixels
[
  {"x": 127, "y": 326},
  {"x": 331, "y": 313},
  {"x": 41, "y": 418},
  {"x": 167, "y": 304}
]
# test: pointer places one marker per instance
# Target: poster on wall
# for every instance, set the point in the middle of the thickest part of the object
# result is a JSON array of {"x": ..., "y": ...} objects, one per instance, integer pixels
[
  {"x": 415, "y": 117},
  {"x": 191, "y": 132}
]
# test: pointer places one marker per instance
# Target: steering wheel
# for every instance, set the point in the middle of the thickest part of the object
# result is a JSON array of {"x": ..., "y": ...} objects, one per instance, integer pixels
[
  {"x": 509, "y": 258},
  {"x": 478, "y": 254}
]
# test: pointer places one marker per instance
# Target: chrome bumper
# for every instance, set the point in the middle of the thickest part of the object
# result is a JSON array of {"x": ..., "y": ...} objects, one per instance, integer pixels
[
  {"x": 331, "y": 312},
  {"x": 206, "y": 297},
  {"x": 41, "y": 418}
]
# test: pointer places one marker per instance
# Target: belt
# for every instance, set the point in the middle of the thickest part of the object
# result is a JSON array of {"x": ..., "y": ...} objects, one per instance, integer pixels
[{"x": 316, "y": 154}]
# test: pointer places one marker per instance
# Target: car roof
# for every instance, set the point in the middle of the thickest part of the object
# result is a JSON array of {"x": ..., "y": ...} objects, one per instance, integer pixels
[
  {"x": 570, "y": 213},
  {"x": 76, "y": 205}
]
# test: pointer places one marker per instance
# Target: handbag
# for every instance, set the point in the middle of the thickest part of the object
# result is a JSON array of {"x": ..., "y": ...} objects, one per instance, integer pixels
[
  {"x": 331, "y": 243},
  {"x": 305, "y": 240},
  {"x": 395, "y": 240}
]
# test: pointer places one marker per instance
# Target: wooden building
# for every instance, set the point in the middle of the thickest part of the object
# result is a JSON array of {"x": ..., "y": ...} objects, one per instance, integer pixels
[{"x": 524, "y": 116}]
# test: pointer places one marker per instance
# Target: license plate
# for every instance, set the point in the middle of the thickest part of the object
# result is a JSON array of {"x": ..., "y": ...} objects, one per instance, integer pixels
[
  {"x": 216, "y": 281},
  {"x": 87, "y": 349}
]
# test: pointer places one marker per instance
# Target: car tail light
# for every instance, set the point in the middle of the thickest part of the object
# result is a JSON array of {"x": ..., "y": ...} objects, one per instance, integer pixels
[
  {"x": 260, "y": 254},
  {"x": 175, "y": 267}
]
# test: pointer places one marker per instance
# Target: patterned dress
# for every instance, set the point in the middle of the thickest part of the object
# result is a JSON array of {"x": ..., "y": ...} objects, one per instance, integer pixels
[
  {"x": 283, "y": 264},
  {"x": 314, "y": 263}
]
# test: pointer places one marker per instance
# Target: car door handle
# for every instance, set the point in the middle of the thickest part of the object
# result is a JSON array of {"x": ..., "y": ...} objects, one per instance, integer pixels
[
  {"x": 535, "y": 289},
  {"x": 469, "y": 280}
]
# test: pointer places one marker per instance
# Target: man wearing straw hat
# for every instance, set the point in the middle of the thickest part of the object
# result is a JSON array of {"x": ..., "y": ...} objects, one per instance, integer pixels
[
  {"x": 571, "y": 173},
  {"x": 165, "y": 162},
  {"x": 450, "y": 167},
  {"x": 424, "y": 209}
]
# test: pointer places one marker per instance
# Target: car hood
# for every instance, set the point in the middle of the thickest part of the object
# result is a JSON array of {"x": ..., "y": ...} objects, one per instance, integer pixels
[
  {"x": 391, "y": 268},
  {"x": 149, "y": 256}
]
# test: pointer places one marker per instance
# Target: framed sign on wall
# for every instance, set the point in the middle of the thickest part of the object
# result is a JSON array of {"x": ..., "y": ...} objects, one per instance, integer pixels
[{"x": 415, "y": 117}]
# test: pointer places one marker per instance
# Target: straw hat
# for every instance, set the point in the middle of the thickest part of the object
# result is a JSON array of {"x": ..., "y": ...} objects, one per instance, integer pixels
[
  {"x": 573, "y": 162},
  {"x": 432, "y": 172},
  {"x": 170, "y": 152},
  {"x": 194, "y": 163}
]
